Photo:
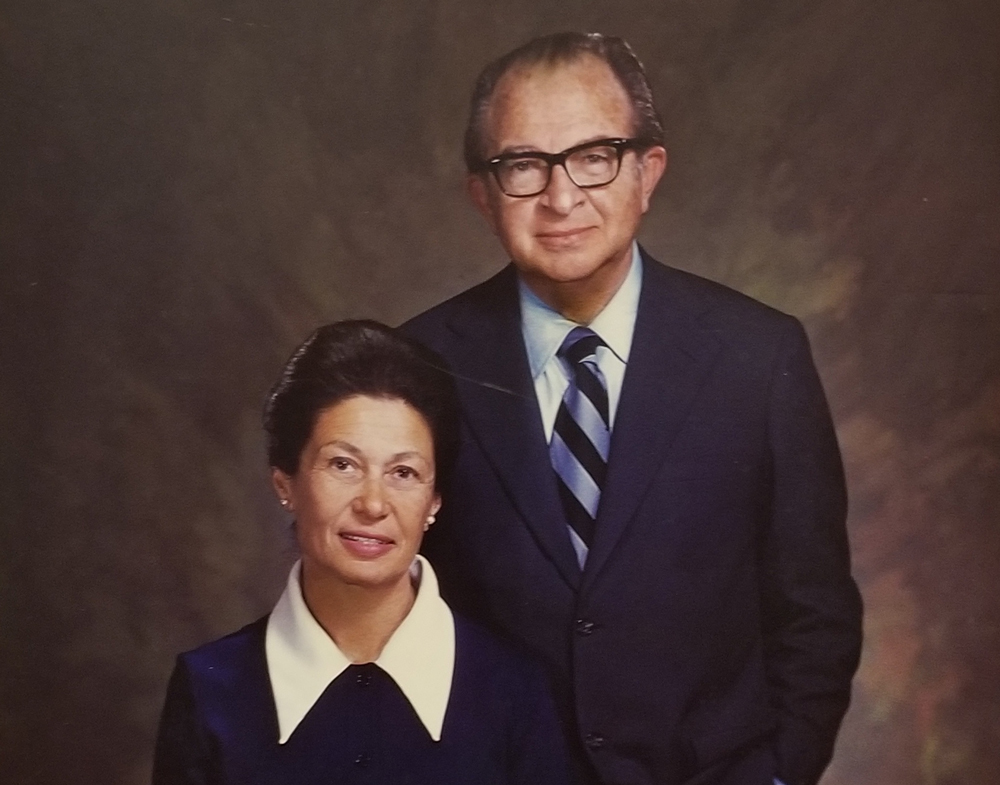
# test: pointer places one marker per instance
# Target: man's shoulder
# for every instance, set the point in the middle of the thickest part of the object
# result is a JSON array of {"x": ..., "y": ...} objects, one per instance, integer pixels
[
  {"x": 491, "y": 298},
  {"x": 724, "y": 308}
]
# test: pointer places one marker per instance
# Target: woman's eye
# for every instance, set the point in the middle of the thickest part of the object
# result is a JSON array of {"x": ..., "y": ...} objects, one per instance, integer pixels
[
  {"x": 404, "y": 473},
  {"x": 340, "y": 464}
]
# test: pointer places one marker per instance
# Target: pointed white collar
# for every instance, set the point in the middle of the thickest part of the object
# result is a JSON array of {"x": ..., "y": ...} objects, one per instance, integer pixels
[{"x": 420, "y": 656}]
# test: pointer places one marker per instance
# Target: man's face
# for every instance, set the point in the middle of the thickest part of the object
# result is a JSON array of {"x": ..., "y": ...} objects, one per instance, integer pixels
[{"x": 566, "y": 235}]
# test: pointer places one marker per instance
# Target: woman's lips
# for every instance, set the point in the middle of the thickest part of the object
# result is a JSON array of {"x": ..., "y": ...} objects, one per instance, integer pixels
[{"x": 366, "y": 546}]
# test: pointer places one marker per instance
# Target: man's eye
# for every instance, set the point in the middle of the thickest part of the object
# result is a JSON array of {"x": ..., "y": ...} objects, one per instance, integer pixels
[
  {"x": 601, "y": 156},
  {"x": 523, "y": 164}
]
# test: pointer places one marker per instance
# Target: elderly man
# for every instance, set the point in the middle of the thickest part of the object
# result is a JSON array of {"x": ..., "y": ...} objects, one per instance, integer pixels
[{"x": 649, "y": 495}]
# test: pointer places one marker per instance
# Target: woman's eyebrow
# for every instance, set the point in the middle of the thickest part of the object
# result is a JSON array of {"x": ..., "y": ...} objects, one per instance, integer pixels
[{"x": 345, "y": 446}]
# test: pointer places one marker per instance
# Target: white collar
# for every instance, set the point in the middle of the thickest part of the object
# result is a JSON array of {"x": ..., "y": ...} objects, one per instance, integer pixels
[
  {"x": 420, "y": 656},
  {"x": 544, "y": 328}
]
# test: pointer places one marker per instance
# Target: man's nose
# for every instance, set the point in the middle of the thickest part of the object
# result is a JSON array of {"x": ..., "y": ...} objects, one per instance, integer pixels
[
  {"x": 562, "y": 194},
  {"x": 371, "y": 499}
]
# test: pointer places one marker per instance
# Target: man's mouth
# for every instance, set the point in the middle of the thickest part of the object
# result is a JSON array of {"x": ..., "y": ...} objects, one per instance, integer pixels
[
  {"x": 563, "y": 238},
  {"x": 561, "y": 233}
]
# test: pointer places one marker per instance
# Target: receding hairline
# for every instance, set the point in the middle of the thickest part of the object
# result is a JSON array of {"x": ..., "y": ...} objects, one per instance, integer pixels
[{"x": 551, "y": 63}]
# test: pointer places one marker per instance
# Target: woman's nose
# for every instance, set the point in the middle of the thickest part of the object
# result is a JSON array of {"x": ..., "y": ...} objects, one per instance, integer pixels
[{"x": 371, "y": 499}]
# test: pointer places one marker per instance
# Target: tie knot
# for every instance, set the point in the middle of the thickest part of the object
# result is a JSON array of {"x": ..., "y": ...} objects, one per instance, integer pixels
[{"x": 579, "y": 344}]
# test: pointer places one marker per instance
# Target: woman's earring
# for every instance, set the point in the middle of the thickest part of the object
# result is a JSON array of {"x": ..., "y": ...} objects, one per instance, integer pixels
[
  {"x": 284, "y": 503},
  {"x": 429, "y": 521}
]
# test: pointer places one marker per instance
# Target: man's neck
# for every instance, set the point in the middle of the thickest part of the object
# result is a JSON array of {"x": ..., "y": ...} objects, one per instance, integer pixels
[{"x": 581, "y": 301}]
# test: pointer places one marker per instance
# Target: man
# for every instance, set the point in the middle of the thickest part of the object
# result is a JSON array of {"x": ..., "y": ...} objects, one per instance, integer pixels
[{"x": 649, "y": 495}]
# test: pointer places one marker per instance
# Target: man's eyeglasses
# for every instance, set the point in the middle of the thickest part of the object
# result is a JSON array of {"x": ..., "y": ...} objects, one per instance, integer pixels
[{"x": 588, "y": 165}]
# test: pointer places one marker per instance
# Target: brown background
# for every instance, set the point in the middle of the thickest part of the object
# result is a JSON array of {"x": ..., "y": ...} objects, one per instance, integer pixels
[{"x": 188, "y": 186}]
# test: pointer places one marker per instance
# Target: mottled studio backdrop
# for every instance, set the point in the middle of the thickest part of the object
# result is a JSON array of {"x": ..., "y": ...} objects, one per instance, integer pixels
[{"x": 187, "y": 187}]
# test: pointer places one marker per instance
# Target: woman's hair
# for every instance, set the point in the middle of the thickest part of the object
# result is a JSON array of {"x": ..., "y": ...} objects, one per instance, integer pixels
[{"x": 359, "y": 357}]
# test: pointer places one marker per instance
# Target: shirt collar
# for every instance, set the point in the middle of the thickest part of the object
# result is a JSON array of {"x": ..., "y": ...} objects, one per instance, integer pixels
[
  {"x": 302, "y": 659},
  {"x": 544, "y": 328}
]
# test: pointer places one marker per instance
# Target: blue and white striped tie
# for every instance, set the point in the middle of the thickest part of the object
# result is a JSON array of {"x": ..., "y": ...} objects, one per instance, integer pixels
[{"x": 581, "y": 437}]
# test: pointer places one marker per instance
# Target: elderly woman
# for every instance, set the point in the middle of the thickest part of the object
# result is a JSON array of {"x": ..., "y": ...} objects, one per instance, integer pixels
[{"x": 361, "y": 673}]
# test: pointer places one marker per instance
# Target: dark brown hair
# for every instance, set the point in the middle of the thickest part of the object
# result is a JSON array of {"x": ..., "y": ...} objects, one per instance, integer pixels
[{"x": 359, "y": 357}]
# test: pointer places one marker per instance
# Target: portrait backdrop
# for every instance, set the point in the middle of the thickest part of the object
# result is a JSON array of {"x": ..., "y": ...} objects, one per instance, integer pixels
[{"x": 188, "y": 187}]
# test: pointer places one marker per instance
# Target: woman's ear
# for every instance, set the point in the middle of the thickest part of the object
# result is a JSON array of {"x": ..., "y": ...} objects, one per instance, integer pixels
[
  {"x": 283, "y": 487},
  {"x": 432, "y": 512}
]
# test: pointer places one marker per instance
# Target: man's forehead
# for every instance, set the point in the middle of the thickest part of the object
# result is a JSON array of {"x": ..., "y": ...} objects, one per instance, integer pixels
[
  {"x": 562, "y": 94},
  {"x": 524, "y": 77}
]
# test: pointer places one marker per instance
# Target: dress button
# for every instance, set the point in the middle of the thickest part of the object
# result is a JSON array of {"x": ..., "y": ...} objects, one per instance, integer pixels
[
  {"x": 363, "y": 679},
  {"x": 584, "y": 627},
  {"x": 594, "y": 741},
  {"x": 363, "y": 759}
]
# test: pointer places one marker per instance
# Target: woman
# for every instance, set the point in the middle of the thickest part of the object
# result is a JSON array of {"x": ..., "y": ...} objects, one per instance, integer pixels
[{"x": 361, "y": 673}]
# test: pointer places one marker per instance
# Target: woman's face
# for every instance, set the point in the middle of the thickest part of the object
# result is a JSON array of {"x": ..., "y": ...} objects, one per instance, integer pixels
[{"x": 363, "y": 493}]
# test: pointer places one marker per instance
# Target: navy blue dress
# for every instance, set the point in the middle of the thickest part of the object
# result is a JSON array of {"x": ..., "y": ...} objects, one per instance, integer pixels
[{"x": 219, "y": 725}]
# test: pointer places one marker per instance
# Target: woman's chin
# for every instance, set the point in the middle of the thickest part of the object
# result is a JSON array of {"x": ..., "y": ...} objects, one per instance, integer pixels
[{"x": 376, "y": 573}]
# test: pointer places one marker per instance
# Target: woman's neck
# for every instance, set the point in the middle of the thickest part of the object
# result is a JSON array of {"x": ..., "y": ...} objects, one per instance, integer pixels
[{"x": 359, "y": 619}]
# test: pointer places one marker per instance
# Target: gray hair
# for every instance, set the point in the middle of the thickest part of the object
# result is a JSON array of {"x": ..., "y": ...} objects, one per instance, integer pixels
[{"x": 561, "y": 48}]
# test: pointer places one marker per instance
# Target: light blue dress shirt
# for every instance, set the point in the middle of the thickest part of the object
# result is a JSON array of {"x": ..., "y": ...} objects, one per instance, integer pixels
[{"x": 544, "y": 330}]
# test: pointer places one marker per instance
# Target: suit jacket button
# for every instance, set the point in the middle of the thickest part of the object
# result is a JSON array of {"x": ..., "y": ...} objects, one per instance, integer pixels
[
  {"x": 594, "y": 741},
  {"x": 584, "y": 627}
]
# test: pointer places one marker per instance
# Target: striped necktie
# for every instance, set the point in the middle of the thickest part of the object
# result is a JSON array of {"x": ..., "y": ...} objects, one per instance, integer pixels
[{"x": 581, "y": 437}]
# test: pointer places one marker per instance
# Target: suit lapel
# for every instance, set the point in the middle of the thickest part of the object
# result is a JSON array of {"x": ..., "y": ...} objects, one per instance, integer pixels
[
  {"x": 669, "y": 361},
  {"x": 498, "y": 399}
]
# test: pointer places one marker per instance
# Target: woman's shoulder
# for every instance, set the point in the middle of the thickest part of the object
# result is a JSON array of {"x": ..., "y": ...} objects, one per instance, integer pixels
[{"x": 229, "y": 658}]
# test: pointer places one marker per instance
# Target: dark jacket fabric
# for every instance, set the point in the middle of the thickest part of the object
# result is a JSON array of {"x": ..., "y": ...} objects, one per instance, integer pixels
[
  {"x": 714, "y": 631},
  {"x": 219, "y": 725}
]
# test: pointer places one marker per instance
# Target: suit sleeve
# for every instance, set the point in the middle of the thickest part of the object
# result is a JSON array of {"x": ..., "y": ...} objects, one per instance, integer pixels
[
  {"x": 181, "y": 756},
  {"x": 811, "y": 605}
]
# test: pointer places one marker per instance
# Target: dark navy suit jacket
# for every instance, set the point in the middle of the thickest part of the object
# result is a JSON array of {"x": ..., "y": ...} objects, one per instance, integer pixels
[
  {"x": 714, "y": 632},
  {"x": 219, "y": 725}
]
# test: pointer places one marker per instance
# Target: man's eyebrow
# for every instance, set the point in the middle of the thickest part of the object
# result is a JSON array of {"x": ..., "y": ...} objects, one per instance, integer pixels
[
  {"x": 526, "y": 148},
  {"x": 514, "y": 150}
]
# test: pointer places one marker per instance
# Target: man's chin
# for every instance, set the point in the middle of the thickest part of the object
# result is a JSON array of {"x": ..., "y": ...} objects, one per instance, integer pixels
[{"x": 563, "y": 272}]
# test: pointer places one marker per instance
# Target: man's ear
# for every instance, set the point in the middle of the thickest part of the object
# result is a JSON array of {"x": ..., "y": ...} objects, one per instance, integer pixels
[
  {"x": 479, "y": 194},
  {"x": 652, "y": 165}
]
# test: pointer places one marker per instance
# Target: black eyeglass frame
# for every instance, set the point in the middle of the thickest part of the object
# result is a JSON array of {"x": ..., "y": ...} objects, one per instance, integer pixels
[{"x": 620, "y": 144}]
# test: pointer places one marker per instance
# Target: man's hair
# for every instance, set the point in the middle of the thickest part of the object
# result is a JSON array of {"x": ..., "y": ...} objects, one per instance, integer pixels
[
  {"x": 359, "y": 357},
  {"x": 559, "y": 49}
]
